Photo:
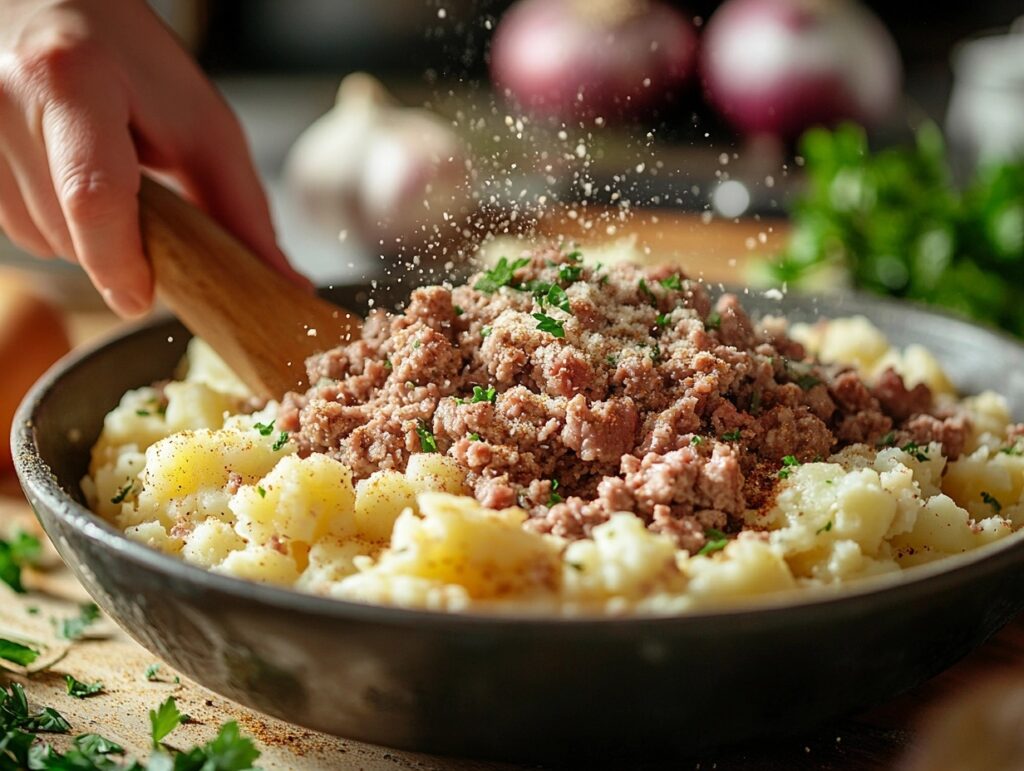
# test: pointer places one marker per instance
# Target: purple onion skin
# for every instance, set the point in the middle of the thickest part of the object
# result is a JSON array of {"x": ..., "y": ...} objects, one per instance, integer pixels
[
  {"x": 559, "y": 59},
  {"x": 782, "y": 66}
]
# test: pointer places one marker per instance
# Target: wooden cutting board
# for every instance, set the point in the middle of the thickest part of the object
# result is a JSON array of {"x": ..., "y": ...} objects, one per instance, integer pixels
[{"x": 716, "y": 251}]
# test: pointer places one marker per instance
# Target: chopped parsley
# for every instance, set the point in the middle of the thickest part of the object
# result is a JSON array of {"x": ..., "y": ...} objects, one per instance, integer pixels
[
  {"x": 1013, "y": 449},
  {"x": 261, "y": 491},
  {"x": 713, "y": 321},
  {"x": 151, "y": 672},
  {"x": 697, "y": 440},
  {"x": 887, "y": 441},
  {"x": 22, "y": 550},
  {"x": 458, "y": 311},
  {"x": 282, "y": 440},
  {"x": 824, "y": 528},
  {"x": 427, "y": 441},
  {"x": 551, "y": 326},
  {"x": 73, "y": 628},
  {"x": 265, "y": 429},
  {"x": 992, "y": 501},
  {"x": 484, "y": 395},
  {"x": 672, "y": 282},
  {"x": 569, "y": 273},
  {"x": 914, "y": 450},
  {"x": 789, "y": 462},
  {"x": 388, "y": 365},
  {"x": 123, "y": 493},
  {"x": 474, "y": 437},
  {"x": 732, "y": 436},
  {"x": 81, "y": 690},
  {"x": 662, "y": 319},
  {"x": 415, "y": 344},
  {"x": 16, "y": 653},
  {"x": 574, "y": 256},
  {"x": 646, "y": 290},
  {"x": 610, "y": 360},
  {"x": 485, "y": 331},
  {"x": 552, "y": 294},
  {"x": 716, "y": 541},
  {"x": 143, "y": 413},
  {"x": 655, "y": 353},
  {"x": 554, "y": 497},
  {"x": 500, "y": 275}
]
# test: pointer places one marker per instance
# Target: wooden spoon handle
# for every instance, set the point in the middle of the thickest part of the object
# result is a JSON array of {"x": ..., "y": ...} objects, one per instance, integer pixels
[{"x": 261, "y": 325}]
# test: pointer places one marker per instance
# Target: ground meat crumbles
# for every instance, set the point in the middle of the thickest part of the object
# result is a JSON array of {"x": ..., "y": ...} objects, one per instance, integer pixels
[{"x": 576, "y": 390}]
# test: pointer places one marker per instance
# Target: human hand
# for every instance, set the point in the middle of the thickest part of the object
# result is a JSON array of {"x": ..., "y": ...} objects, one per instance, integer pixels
[{"x": 92, "y": 91}]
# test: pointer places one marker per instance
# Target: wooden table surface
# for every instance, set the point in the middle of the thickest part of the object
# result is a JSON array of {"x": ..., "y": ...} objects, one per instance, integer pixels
[{"x": 878, "y": 738}]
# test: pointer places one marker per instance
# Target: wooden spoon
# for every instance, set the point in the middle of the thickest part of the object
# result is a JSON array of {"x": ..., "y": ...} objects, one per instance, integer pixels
[{"x": 261, "y": 325}]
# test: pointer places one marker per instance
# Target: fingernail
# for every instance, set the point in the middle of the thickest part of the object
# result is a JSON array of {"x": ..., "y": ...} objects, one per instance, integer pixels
[{"x": 126, "y": 304}]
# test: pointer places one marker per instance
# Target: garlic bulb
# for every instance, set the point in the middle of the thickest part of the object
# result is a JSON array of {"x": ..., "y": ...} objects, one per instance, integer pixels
[{"x": 389, "y": 173}]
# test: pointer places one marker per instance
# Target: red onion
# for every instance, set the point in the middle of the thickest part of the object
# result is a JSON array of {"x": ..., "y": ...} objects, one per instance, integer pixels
[
  {"x": 587, "y": 58},
  {"x": 780, "y": 66}
]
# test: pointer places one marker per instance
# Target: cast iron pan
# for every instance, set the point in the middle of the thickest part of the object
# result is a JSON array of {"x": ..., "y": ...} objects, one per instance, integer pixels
[{"x": 521, "y": 688}]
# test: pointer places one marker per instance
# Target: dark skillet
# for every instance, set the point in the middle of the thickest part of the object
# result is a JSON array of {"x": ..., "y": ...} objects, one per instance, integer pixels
[{"x": 514, "y": 687}]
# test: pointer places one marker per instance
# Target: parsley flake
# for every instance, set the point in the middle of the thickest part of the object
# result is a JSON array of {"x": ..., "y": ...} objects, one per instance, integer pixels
[
  {"x": 646, "y": 290},
  {"x": 662, "y": 319},
  {"x": 569, "y": 274},
  {"x": 824, "y": 529},
  {"x": 427, "y": 441},
  {"x": 73, "y": 628},
  {"x": 551, "y": 326},
  {"x": 458, "y": 310},
  {"x": 485, "y": 331},
  {"x": 152, "y": 672},
  {"x": 484, "y": 395},
  {"x": 716, "y": 541},
  {"x": 123, "y": 493},
  {"x": 282, "y": 440},
  {"x": 732, "y": 436},
  {"x": 163, "y": 720},
  {"x": 1013, "y": 449},
  {"x": 672, "y": 282},
  {"x": 713, "y": 321},
  {"x": 697, "y": 440},
  {"x": 914, "y": 450},
  {"x": 992, "y": 501},
  {"x": 261, "y": 491},
  {"x": 500, "y": 275},
  {"x": 887, "y": 441},
  {"x": 554, "y": 497},
  {"x": 265, "y": 429},
  {"x": 807, "y": 382},
  {"x": 574, "y": 256},
  {"x": 789, "y": 462},
  {"x": 81, "y": 690},
  {"x": 22, "y": 550},
  {"x": 474, "y": 437}
]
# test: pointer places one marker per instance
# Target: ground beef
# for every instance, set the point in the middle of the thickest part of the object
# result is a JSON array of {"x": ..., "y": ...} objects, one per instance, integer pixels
[{"x": 577, "y": 391}]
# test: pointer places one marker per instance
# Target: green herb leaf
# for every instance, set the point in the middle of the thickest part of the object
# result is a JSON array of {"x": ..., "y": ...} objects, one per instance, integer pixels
[
  {"x": 151, "y": 672},
  {"x": 94, "y": 744},
  {"x": 458, "y": 310},
  {"x": 123, "y": 493},
  {"x": 914, "y": 449},
  {"x": 646, "y": 290},
  {"x": 713, "y": 321},
  {"x": 22, "y": 550},
  {"x": 261, "y": 491},
  {"x": 824, "y": 528},
  {"x": 74, "y": 628},
  {"x": 16, "y": 653},
  {"x": 716, "y": 541},
  {"x": 163, "y": 720},
  {"x": 697, "y": 440},
  {"x": 484, "y": 395},
  {"x": 264, "y": 429},
  {"x": 474, "y": 437},
  {"x": 732, "y": 436},
  {"x": 554, "y": 497},
  {"x": 662, "y": 319},
  {"x": 569, "y": 274},
  {"x": 1013, "y": 449},
  {"x": 388, "y": 365},
  {"x": 282, "y": 440},
  {"x": 672, "y": 282},
  {"x": 887, "y": 441},
  {"x": 81, "y": 690},
  {"x": 788, "y": 463},
  {"x": 485, "y": 331},
  {"x": 500, "y": 275},
  {"x": 427, "y": 441},
  {"x": 549, "y": 325},
  {"x": 991, "y": 501}
]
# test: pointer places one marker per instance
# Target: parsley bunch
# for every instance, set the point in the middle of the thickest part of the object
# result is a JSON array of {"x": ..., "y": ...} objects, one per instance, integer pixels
[{"x": 893, "y": 221}]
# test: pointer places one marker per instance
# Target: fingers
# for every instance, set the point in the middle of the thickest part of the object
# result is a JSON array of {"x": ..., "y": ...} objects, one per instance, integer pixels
[
  {"x": 15, "y": 220},
  {"x": 219, "y": 175},
  {"x": 94, "y": 174}
]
